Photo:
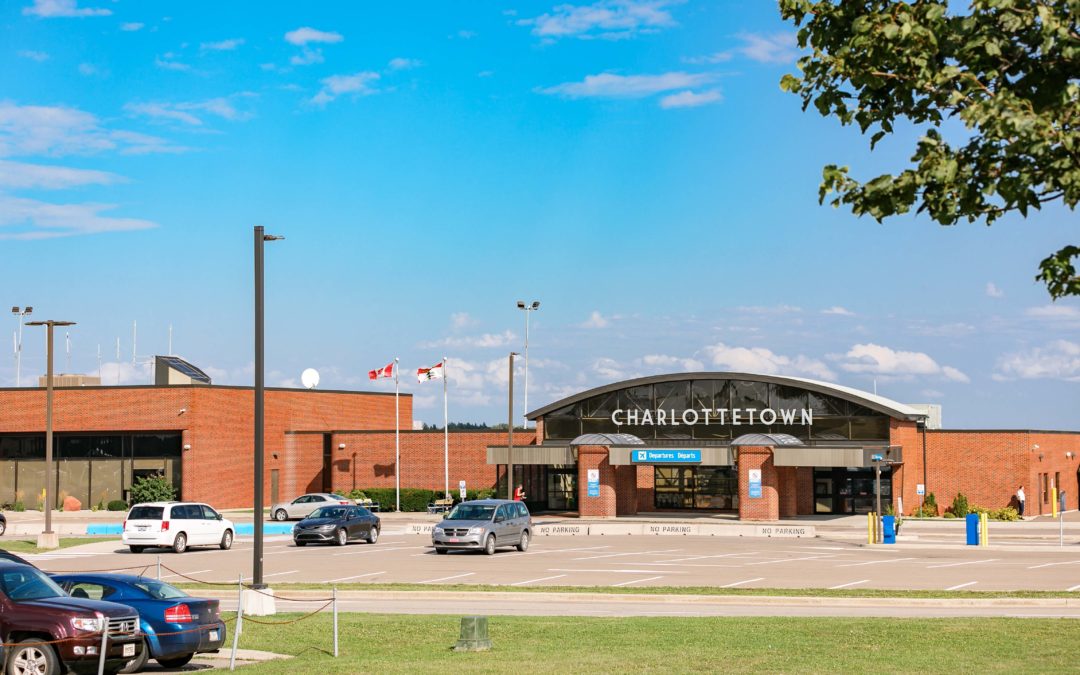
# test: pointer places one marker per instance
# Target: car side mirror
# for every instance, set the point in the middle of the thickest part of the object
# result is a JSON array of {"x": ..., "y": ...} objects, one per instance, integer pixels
[{"x": 219, "y": 516}]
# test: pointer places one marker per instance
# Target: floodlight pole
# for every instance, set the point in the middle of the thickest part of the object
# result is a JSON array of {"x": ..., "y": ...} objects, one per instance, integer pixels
[
  {"x": 260, "y": 365},
  {"x": 510, "y": 432}
]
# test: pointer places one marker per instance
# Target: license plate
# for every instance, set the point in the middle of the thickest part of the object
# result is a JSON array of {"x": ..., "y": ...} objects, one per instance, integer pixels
[
  {"x": 453, "y": 540},
  {"x": 129, "y": 649},
  {"x": 142, "y": 528},
  {"x": 213, "y": 635}
]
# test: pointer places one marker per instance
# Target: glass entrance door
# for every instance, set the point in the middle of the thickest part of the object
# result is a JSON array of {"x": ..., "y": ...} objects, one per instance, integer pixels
[{"x": 850, "y": 490}]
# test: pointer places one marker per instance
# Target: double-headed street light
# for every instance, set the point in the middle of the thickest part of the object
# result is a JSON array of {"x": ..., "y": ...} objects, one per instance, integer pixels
[
  {"x": 48, "y": 539},
  {"x": 531, "y": 307},
  {"x": 21, "y": 313}
]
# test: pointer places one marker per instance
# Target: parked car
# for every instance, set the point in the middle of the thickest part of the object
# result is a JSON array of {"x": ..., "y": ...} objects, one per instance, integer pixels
[
  {"x": 176, "y": 525},
  {"x": 305, "y": 504},
  {"x": 48, "y": 632},
  {"x": 175, "y": 626},
  {"x": 3, "y": 524},
  {"x": 484, "y": 525},
  {"x": 337, "y": 524}
]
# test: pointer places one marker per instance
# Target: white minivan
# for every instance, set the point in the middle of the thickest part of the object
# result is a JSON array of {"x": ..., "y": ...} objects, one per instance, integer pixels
[{"x": 176, "y": 525}]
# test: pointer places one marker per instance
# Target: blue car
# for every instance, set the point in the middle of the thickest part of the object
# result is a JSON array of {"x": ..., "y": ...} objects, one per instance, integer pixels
[{"x": 175, "y": 625}]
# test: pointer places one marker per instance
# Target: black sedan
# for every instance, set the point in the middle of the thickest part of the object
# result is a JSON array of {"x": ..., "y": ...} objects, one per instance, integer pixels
[{"x": 337, "y": 525}]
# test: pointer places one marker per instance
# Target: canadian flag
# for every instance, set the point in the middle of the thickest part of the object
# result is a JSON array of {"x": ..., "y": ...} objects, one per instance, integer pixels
[
  {"x": 433, "y": 373},
  {"x": 385, "y": 371}
]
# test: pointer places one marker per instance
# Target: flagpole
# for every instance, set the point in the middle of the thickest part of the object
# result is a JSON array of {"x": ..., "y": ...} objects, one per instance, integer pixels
[
  {"x": 446, "y": 434},
  {"x": 397, "y": 439}
]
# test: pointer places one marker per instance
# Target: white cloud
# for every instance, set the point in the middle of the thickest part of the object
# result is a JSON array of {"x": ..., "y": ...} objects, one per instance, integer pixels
[
  {"x": 50, "y": 9},
  {"x": 668, "y": 363},
  {"x": 610, "y": 85},
  {"x": 307, "y": 57},
  {"x": 993, "y": 291},
  {"x": 129, "y": 373},
  {"x": 609, "y": 369},
  {"x": 306, "y": 35},
  {"x": 168, "y": 64},
  {"x": 777, "y": 48},
  {"x": 951, "y": 330},
  {"x": 404, "y": 64},
  {"x": 769, "y": 309},
  {"x": 609, "y": 19},
  {"x": 21, "y": 176},
  {"x": 357, "y": 84},
  {"x": 872, "y": 359},
  {"x": 837, "y": 310},
  {"x": 765, "y": 361},
  {"x": 222, "y": 46},
  {"x": 88, "y": 69},
  {"x": 596, "y": 320},
  {"x": 57, "y": 131},
  {"x": 1058, "y": 360},
  {"x": 461, "y": 319},
  {"x": 465, "y": 34},
  {"x": 932, "y": 393},
  {"x": 188, "y": 112},
  {"x": 1055, "y": 312},
  {"x": 22, "y": 218},
  {"x": 484, "y": 341},
  {"x": 689, "y": 99},
  {"x": 33, "y": 55},
  {"x": 132, "y": 26}
]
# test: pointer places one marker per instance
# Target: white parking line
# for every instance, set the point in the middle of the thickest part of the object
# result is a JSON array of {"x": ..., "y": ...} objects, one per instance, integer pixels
[
  {"x": 378, "y": 550},
  {"x": 358, "y": 576},
  {"x": 1074, "y": 588},
  {"x": 969, "y": 562},
  {"x": 560, "y": 569},
  {"x": 636, "y": 581},
  {"x": 850, "y": 583},
  {"x": 167, "y": 576},
  {"x": 616, "y": 555},
  {"x": 1068, "y": 562},
  {"x": 275, "y": 574},
  {"x": 676, "y": 564},
  {"x": 566, "y": 550},
  {"x": 874, "y": 562},
  {"x": 456, "y": 576},
  {"x": 784, "y": 560},
  {"x": 744, "y": 581},
  {"x": 959, "y": 586},
  {"x": 721, "y": 555},
  {"x": 533, "y": 581}
]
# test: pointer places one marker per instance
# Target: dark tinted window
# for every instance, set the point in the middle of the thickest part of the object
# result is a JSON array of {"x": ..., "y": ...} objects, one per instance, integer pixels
[
  {"x": 27, "y": 583},
  {"x": 146, "y": 513},
  {"x": 360, "y": 510}
]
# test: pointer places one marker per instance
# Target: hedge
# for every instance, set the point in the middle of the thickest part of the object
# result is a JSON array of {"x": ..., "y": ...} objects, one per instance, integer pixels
[{"x": 412, "y": 499}]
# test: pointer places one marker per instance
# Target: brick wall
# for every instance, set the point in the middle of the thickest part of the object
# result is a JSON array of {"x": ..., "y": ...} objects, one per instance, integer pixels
[
  {"x": 646, "y": 488},
  {"x": 604, "y": 506},
  {"x": 766, "y": 507},
  {"x": 804, "y": 478}
]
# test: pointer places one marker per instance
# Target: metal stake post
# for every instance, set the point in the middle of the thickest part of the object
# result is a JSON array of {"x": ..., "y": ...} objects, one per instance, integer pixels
[
  {"x": 159, "y": 568},
  {"x": 335, "y": 623},
  {"x": 239, "y": 621},
  {"x": 879, "y": 538},
  {"x": 510, "y": 431},
  {"x": 104, "y": 644}
]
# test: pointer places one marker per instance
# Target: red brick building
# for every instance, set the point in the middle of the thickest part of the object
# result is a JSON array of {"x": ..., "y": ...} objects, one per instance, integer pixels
[{"x": 760, "y": 446}]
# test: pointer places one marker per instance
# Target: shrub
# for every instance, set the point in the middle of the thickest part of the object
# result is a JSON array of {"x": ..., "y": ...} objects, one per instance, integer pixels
[
  {"x": 356, "y": 494},
  {"x": 118, "y": 505},
  {"x": 959, "y": 506},
  {"x": 18, "y": 507},
  {"x": 1007, "y": 513},
  {"x": 948, "y": 514},
  {"x": 152, "y": 489}
]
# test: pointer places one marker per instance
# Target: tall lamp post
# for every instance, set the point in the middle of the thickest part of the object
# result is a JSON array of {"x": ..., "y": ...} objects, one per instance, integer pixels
[
  {"x": 48, "y": 538},
  {"x": 21, "y": 313},
  {"x": 510, "y": 432},
  {"x": 531, "y": 307},
  {"x": 257, "y": 564}
]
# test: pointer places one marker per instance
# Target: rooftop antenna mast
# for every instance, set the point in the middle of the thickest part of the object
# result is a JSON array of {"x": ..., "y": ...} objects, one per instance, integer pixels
[
  {"x": 99, "y": 363},
  {"x": 117, "y": 360},
  {"x": 67, "y": 346}
]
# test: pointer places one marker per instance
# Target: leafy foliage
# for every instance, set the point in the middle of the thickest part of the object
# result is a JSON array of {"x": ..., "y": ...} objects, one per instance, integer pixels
[
  {"x": 151, "y": 489},
  {"x": 118, "y": 505},
  {"x": 1006, "y": 70},
  {"x": 959, "y": 506},
  {"x": 412, "y": 499}
]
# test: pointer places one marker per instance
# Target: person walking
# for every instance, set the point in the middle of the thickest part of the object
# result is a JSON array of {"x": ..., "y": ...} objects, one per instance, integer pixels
[
  {"x": 519, "y": 493},
  {"x": 1020, "y": 499}
]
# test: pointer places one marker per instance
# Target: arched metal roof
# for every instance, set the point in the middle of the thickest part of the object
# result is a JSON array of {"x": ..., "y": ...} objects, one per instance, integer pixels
[
  {"x": 766, "y": 440},
  {"x": 863, "y": 398},
  {"x": 607, "y": 439}
]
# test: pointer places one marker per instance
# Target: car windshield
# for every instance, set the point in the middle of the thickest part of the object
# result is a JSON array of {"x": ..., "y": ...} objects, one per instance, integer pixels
[
  {"x": 471, "y": 512},
  {"x": 28, "y": 583},
  {"x": 146, "y": 513},
  {"x": 328, "y": 512},
  {"x": 159, "y": 590}
]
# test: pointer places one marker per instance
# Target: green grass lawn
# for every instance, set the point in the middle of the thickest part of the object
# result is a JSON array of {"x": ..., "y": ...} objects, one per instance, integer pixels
[
  {"x": 406, "y": 643},
  {"x": 283, "y": 589},
  {"x": 30, "y": 545}
]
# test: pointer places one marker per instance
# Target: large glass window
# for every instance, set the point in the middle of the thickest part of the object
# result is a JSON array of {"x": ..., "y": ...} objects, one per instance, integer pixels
[{"x": 697, "y": 487}]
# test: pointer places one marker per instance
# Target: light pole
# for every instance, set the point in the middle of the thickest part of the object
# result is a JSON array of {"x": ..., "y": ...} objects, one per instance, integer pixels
[
  {"x": 22, "y": 313},
  {"x": 49, "y": 539},
  {"x": 532, "y": 307},
  {"x": 510, "y": 432},
  {"x": 257, "y": 564}
]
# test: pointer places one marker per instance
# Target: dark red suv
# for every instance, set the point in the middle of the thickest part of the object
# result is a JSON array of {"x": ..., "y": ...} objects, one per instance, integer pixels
[{"x": 50, "y": 632}]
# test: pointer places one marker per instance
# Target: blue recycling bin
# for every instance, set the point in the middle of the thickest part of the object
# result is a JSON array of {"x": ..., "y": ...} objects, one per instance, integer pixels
[
  {"x": 888, "y": 529},
  {"x": 972, "y": 529}
]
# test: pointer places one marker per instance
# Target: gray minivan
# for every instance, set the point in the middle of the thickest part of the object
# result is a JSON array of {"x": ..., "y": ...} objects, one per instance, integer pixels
[{"x": 484, "y": 525}]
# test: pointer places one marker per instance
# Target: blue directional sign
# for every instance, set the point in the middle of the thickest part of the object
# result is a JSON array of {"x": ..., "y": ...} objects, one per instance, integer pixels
[
  {"x": 754, "y": 476},
  {"x": 877, "y": 458},
  {"x": 665, "y": 456},
  {"x": 593, "y": 483}
]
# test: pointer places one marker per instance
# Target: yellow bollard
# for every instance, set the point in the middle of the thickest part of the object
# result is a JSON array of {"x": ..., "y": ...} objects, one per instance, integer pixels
[
  {"x": 1054, "y": 500},
  {"x": 870, "y": 520},
  {"x": 984, "y": 537}
]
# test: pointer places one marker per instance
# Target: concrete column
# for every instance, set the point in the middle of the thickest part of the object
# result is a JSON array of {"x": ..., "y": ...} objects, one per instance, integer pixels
[
  {"x": 767, "y": 506},
  {"x": 606, "y": 505}
]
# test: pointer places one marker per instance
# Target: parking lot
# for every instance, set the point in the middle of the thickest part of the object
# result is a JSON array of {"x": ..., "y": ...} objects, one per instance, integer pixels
[{"x": 609, "y": 561}]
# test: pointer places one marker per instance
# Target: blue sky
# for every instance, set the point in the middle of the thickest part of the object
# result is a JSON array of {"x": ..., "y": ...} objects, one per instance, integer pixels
[{"x": 631, "y": 164}]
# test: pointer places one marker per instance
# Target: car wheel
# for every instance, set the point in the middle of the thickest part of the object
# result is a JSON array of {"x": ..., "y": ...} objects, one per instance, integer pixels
[
  {"x": 440, "y": 550},
  {"x": 179, "y": 544},
  {"x": 32, "y": 657},
  {"x": 3, "y": 528},
  {"x": 226, "y": 540},
  {"x": 299, "y": 543},
  {"x": 373, "y": 535},
  {"x": 136, "y": 664},
  {"x": 489, "y": 545},
  {"x": 523, "y": 545},
  {"x": 280, "y": 514},
  {"x": 137, "y": 549},
  {"x": 342, "y": 537},
  {"x": 176, "y": 661}
]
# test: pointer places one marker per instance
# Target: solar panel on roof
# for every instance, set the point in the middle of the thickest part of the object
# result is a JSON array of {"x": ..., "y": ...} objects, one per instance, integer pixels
[{"x": 180, "y": 365}]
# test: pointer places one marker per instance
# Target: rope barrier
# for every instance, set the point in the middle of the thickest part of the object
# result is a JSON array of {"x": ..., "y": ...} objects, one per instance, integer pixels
[
  {"x": 286, "y": 623},
  {"x": 247, "y": 586}
]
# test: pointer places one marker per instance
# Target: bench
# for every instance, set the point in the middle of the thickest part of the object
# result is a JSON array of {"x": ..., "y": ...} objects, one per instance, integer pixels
[{"x": 440, "y": 506}]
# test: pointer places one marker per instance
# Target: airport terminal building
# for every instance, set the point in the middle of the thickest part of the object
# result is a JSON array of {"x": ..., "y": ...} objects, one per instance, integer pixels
[{"x": 757, "y": 447}]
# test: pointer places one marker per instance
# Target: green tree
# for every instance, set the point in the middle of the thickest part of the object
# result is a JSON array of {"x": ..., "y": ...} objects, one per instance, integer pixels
[
  {"x": 1008, "y": 70},
  {"x": 152, "y": 489}
]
